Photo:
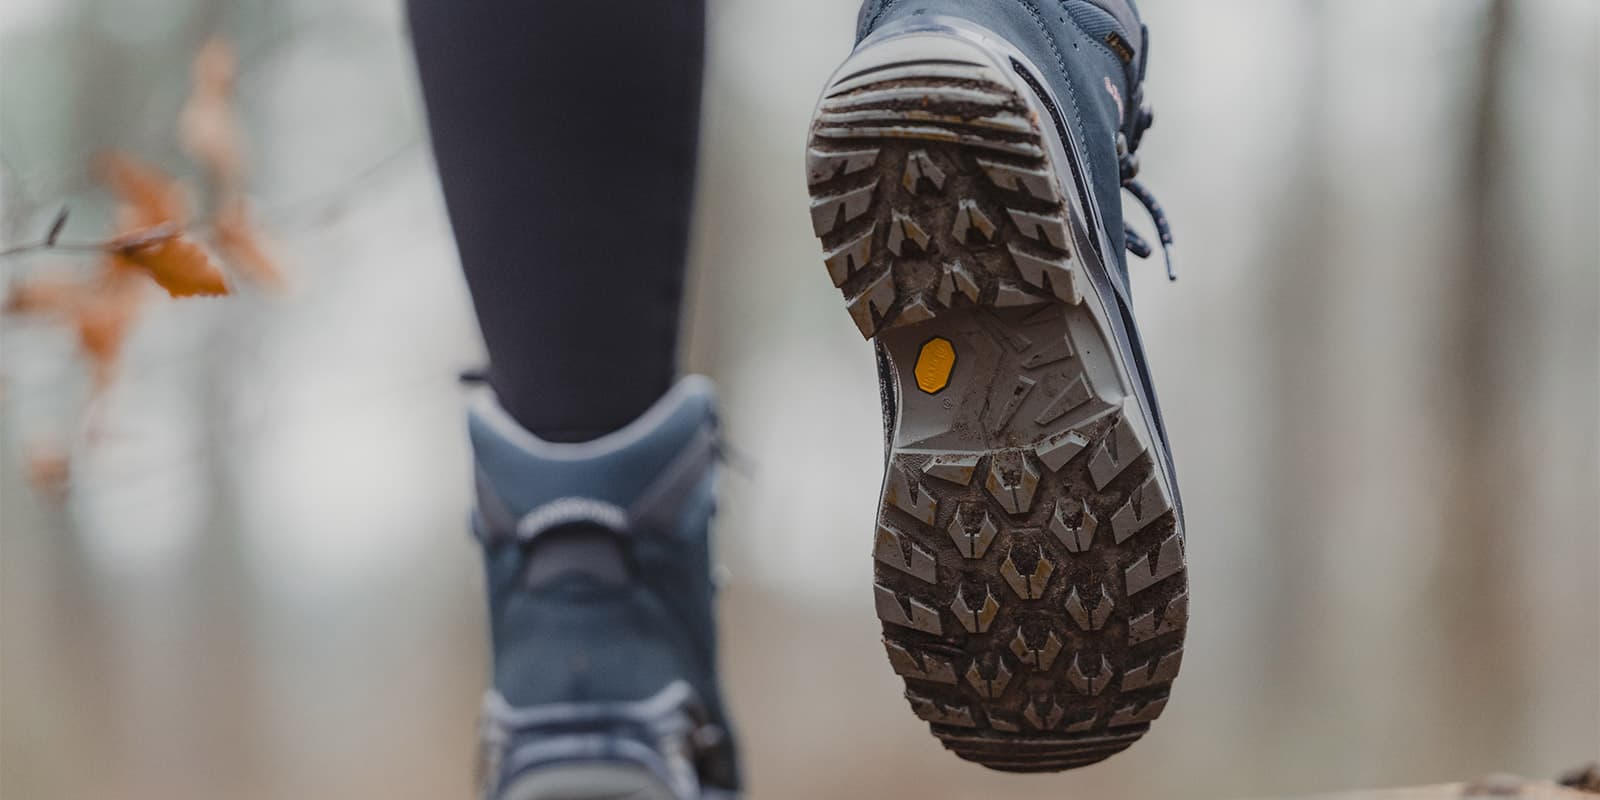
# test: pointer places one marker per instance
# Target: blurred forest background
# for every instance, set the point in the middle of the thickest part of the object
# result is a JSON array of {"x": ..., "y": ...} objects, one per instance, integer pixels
[{"x": 1381, "y": 367}]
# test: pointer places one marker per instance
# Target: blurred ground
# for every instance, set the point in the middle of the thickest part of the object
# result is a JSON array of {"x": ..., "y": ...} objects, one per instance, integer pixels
[{"x": 1379, "y": 367}]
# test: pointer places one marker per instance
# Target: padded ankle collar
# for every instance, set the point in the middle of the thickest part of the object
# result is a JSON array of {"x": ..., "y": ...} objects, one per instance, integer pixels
[{"x": 518, "y": 472}]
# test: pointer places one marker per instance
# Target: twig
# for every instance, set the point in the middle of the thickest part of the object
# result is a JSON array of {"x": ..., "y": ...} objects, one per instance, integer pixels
[
  {"x": 54, "y": 236},
  {"x": 45, "y": 244},
  {"x": 132, "y": 241},
  {"x": 311, "y": 212}
]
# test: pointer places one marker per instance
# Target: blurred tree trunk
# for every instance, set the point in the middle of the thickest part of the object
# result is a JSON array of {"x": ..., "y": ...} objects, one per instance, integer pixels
[
  {"x": 83, "y": 612},
  {"x": 194, "y": 669},
  {"x": 1482, "y": 677},
  {"x": 221, "y": 589},
  {"x": 1295, "y": 289}
]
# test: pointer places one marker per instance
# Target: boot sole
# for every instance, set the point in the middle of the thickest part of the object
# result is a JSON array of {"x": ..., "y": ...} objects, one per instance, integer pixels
[
  {"x": 1029, "y": 562},
  {"x": 597, "y": 781},
  {"x": 602, "y": 750}
]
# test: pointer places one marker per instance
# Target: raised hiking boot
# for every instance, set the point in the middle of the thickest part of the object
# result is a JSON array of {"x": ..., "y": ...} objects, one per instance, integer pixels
[
  {"x": 966, "y": 164},
  {"x": 600, "y": 595}
]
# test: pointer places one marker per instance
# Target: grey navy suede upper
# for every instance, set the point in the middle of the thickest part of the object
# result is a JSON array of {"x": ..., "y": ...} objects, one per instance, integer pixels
[{"x": 577, "y": 638}]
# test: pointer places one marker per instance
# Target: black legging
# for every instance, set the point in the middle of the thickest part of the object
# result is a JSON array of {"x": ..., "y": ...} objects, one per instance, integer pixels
[{"x": 565, "y": 133}]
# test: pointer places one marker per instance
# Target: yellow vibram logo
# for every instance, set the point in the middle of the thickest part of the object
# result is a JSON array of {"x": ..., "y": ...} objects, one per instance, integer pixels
[{"x": 934, "y": 364}]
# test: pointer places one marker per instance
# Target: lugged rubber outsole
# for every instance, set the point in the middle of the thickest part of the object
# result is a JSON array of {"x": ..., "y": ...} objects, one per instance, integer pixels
[
  {"x": 1029, "y": 563},
  {"x": 597, "y": 781}
]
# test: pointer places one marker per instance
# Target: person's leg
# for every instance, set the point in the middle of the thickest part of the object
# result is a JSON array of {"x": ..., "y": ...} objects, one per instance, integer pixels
[{"x": 565, "y": 134}]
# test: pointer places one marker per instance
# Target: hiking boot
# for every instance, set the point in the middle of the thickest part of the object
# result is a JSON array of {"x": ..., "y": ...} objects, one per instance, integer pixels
[
  {"x": 600, "y": 604},
  {"x": 966, "y": 164}
]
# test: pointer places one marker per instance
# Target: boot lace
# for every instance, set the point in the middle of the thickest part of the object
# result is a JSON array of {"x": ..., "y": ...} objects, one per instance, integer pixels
[{"x": 1128, "y": 164}]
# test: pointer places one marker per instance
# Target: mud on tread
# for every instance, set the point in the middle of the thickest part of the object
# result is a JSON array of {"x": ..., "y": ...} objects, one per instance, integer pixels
[{"x": 1028, "y": 563}]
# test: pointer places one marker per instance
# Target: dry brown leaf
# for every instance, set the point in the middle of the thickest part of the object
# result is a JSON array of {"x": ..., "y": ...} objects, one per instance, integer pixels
[
  {"x": 45, "y": 295},
  {"x": 176, "y": 262},
  {"x": 119, "y": 273},
  {"x": 242, "y": 245},
  {"x": 207, "y": 125},
  {"x": 150, "y": 196},
  {"x": 104, "y": 317},
  {"x": 102, "y": 329},
  {"x": 48, "y": 468}
]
